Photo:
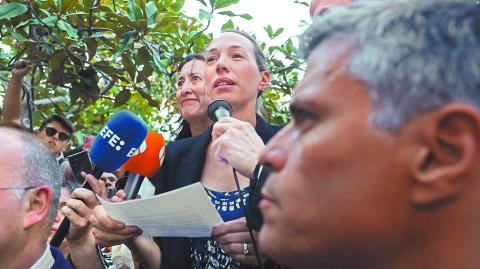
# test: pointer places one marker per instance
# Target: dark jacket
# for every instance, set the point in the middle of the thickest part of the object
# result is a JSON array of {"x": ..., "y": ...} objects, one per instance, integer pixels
[
  {"x": 182, "y": 166},
  {"x": 60, "y": 262}
]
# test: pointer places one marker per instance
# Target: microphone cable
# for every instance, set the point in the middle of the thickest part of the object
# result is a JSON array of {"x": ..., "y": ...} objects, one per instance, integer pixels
[{"x": 242, "y": 203}]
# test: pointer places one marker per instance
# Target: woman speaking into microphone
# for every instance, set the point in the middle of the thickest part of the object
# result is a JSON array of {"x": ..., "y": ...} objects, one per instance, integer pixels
[{"x": 235, "y": 72}]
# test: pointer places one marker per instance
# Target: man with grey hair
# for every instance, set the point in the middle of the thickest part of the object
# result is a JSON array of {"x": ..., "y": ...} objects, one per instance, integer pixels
[
  {"x": 380, "y": 167},
  {"x": 30, "y": 186}
]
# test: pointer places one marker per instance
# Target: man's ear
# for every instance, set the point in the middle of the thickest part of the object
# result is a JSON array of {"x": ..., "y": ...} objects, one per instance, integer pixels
[
  {"x": 448, "y": 157},
  {"x": 37, "y": 203}
]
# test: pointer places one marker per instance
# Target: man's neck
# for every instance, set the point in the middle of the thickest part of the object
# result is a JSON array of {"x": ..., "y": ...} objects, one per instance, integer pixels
[
  {"x": 24, "y": 257},
  {"x": 444, "y": 240}
]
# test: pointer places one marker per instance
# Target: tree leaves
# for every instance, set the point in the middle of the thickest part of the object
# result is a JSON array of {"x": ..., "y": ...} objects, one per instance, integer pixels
[
  {"x": 128, "y": 54},
  {"x": 231, "y": 14},
  {"x": 218, "y": 4},
  {"x": 122, "y": 98},
  {"x": 11, "y": 10},
  {"x": 134, "y": 12},
  {"x": 151, "y": 12},
  {"x": 126, "y": 42},
  {"x": 205, "y": 15},
  {"x": 228, "y": 25},
  {"x": 71, "y": 32}
]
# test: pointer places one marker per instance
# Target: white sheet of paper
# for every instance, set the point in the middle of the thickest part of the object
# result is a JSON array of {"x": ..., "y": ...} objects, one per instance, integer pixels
[{"x": 184, "y": 212}]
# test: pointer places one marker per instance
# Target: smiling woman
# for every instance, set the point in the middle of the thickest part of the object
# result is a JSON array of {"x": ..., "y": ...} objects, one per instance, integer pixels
[{"x": 192, "y": 99}]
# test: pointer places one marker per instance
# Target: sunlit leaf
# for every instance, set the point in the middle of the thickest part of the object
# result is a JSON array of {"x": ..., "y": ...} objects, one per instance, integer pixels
[
  {"x": 278, "y": 32},
  {"x": 203, "y": 2},
  {"x": 151, "y": 11},
  {"x": 231, "y": 14},
  {"x": 177, "y": 6},
  {"x": 205, "y": 15},
  {"x": 269, "y": 30},
  {"x": 228, "y": 25},
  {"x": 224, "y": 3}
]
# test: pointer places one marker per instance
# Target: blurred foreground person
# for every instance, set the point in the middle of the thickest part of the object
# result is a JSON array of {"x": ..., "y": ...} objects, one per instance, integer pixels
[
  {"x": 30, "y": 186},
  {"x": 380, "y": 167}
]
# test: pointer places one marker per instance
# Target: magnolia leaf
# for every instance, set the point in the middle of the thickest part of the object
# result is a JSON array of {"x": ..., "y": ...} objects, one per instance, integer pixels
[
  {"x": 11, "y": 10},
  {"x": 134, "y": 12},
  {"x": 92, "y": 45},
  {"x": 278, "y": 32},
  {"x": 71, "y": 32},
  {"x": 203, "y": 2},
  {"x": 224, "y": 3},
  {"x": 205, "y": 15},
  {"x": 126, "y": 41},
  {"x": 231, "y": 14},
  {"x": 228, "y": 25},
  {"x": 177, "y": 6},
  {"x": 67, "y": 5},
  {"x": 269, "y": 31},
  {"x": 151, "y": 11},
  {"x": 122, "y": 98}
]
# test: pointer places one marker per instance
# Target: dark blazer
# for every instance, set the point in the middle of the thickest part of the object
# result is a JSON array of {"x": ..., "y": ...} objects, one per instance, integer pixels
[
  {"x": 182, "y": 166},
  {"x": 60, "y": 262}
]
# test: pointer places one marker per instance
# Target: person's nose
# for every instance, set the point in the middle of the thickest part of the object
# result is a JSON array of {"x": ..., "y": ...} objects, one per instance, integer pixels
[
  {"x": 222, "y": 65},
  {"x": 186, "y": 89},
  {"x": 275, "y": 154}
]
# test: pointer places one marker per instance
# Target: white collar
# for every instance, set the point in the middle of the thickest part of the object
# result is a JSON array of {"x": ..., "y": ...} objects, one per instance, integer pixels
[
  {"x": 60, "y": 156},
  {"x": 46, "y": 261}
]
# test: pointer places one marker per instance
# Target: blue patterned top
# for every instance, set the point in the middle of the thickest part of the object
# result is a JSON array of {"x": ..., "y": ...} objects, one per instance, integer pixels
[{"x": 206, "y": 253}]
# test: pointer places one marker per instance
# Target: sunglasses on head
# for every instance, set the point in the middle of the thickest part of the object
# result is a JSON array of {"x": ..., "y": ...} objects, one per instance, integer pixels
[{"x": 50, "y": 131}]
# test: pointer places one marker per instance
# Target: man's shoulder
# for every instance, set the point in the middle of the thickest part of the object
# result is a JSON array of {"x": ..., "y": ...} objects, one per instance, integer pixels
[{"x": 60, "y": 262}]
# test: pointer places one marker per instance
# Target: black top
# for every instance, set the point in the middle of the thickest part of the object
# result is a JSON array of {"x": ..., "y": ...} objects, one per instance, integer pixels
[{"x": 182, "y": 166}]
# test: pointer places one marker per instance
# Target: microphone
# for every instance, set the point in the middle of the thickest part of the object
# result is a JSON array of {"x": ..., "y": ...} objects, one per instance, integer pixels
[
  {"x": 117, "y": 141},
  {"x": 219, "y": 109},
  {"x": 145, "y": 162}
]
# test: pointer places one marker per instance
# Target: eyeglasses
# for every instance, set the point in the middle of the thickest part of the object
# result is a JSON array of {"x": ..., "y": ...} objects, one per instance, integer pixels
[
  {"x": 18, "y": 188},
  {"x": 50, "y": 131}
]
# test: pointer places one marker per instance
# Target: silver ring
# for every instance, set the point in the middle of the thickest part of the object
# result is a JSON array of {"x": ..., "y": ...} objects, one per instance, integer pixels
[{"x": 245, "y": 249}]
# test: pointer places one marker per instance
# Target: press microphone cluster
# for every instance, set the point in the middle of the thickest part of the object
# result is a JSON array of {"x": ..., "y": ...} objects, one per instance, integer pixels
[{"x": 117, "y": 141}]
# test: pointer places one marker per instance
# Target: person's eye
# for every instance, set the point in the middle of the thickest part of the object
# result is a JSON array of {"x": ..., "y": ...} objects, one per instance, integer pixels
[
  {"x": 210, "y": 59},
  {"x": 196, "y": 78},
  {"x": 237, "y": 55},
  {"x": 302, "y": 118},
  {"x": 180, "y": 83}
]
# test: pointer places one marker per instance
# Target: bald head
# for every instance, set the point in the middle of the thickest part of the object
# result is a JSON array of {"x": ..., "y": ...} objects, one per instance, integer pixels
[{"x": 317, "y": 7}]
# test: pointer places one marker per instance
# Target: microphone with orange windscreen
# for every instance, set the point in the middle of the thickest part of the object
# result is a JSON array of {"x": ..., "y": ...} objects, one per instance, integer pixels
[{"x": 145, "y": 162}]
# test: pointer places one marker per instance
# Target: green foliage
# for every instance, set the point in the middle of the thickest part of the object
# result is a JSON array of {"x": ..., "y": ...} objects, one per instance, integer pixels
[
  {"x": 12, "y": 10},
  {"x": 107, "y": 55}
]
